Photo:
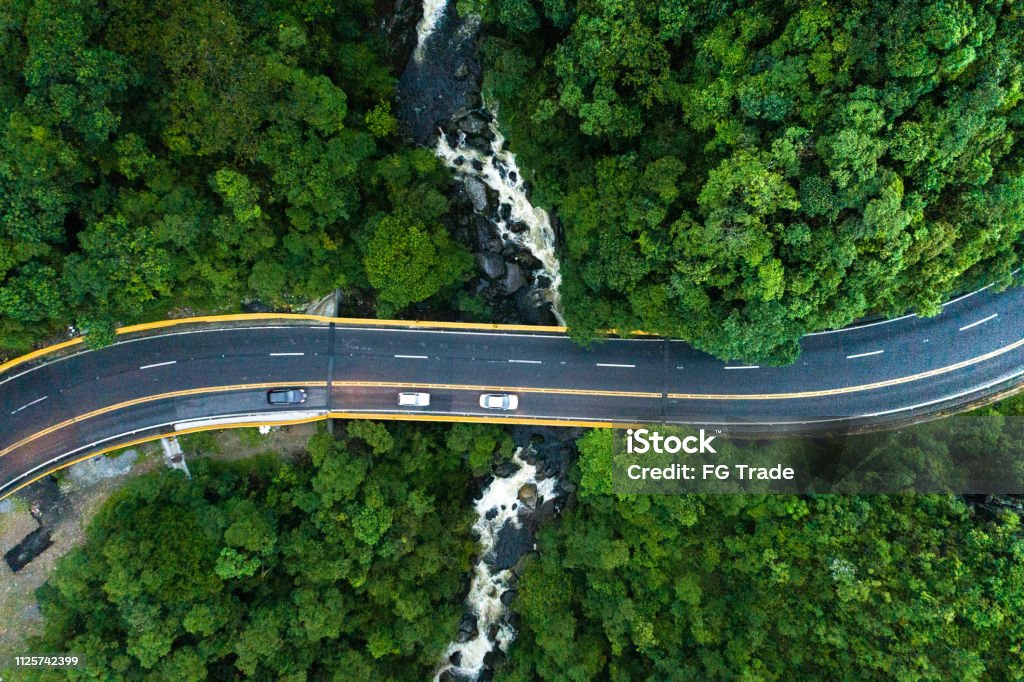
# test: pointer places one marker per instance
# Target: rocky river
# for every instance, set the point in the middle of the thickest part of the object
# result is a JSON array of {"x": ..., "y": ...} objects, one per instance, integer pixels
[{"x": 519, "y": 276}]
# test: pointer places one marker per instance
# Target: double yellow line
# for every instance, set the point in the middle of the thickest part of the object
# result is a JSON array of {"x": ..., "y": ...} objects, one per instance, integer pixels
[{"x": 522, "y": 389}]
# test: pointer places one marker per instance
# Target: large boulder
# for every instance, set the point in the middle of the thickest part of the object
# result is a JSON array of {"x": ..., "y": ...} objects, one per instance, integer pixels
[
  {"x": 472, "y": 124},
  {"x": 467, "y": 628},
  {"x": 490, "y": 264},
  {"x": 514, "y": 279},
  {"x": 477, "y": 193}
]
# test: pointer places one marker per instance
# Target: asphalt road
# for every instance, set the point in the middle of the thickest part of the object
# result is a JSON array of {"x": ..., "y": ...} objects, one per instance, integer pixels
[{"x": 176, "y": 379}]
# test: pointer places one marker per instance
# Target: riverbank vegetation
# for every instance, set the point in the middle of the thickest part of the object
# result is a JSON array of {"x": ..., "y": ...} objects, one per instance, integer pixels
[
  {"x": 738, "y": 174},
  {"x": 349, "y": 563},
  {"x": 195, "y": 153}
]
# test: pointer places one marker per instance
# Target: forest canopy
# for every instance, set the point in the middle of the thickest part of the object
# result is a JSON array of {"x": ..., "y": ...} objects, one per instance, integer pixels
[
  {"x": 768, "y": 587},
  {"x": 347, "y": 564},
  {"x": 195, "y": 153},
  {"x": 740, "y": 173}
]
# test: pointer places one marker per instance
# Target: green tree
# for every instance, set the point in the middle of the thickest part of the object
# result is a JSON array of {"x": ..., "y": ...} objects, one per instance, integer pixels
[{"x": 407, "y": 262}]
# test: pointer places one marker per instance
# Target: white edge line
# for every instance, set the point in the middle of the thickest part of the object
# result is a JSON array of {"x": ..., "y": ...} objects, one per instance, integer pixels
[
  {"x": 604, "y": 364},
  {"x": 159, "y": 364},
  {"x": 743, "y": 367},
  {"x": 413, "y": 357},
  {"x": 71, "y": 453},
  {"x": 280, "y": 355},
  {"x": 864, "y": 355},
  {"x": 528, "y": 362},
  {"x": 982, "y": 321}
]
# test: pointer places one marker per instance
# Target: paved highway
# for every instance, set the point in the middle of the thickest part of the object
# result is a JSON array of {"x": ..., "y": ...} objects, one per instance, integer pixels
[{"x": 63, "y": 407}]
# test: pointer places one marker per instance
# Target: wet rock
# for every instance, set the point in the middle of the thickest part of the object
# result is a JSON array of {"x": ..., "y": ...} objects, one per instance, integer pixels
[
  {"x": 529, "y": 311},
  {"x": 462, "y": 71},
  {"x": 505, "y": 211},
  {"x": 494, "y": 658},
  {"x": 492, "y": 514},
  {"x": 543, "y": 282},
  {"x": 479, "y": 142},
  {"x": 491, "y": 265},
  {"x": 514, "y": 279},
  {"x": 477, "y": 193},
  {"x": 528, "y": 494},
  {"x": 513, "y": 542},
  {"x": 456, "y": 658},
  {"x": 518, "y": 227},
  {"x": 512, "y": 176},
  {"x": 528, "y": 261},
  {"x": 467, "y": 628},
  {"x": 472, "y": 124},
  {"x": 506, "y": 469},
  {"x": 508, "y": 596},
  {"x": 477, "y": 165}
]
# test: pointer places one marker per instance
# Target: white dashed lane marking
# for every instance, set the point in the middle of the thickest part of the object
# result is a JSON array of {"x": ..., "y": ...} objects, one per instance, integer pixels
[{"x": 981, "y": 321}]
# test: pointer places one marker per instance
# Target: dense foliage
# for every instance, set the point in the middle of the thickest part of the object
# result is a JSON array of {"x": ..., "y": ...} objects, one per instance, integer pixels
[
  {"x": 689, "y": 587},
  {"x": 739, "y": 173},
  {"x": 349, "y": 565},
  {"x": 196, "y": 152}
]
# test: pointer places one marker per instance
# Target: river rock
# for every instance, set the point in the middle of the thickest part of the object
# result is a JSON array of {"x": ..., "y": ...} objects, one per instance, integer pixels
[
  {"x": 472, "y": 124},
  {"x": 456, "y": 658},
  {"x": 529, "y": 311},
  {"x": 508, "y": 596},
  {"x": 528, "y": 261},
  {"x": 479, "y": 143},
  {"x": 491, "y": 265},
  {"x": 528, "y": 494},
  {"x": 494, "y": 658},
  {"x": 477, "y": 193},
  {"x": 467, "y": 628},
  {"x": 461, "y": 71},
  {"x": 512, "y": 543},
  {"x": 505, "y": 211},
  {"x": 514, "y": 278},
  {"x": 518, "y": 227},
  {"x": 506, "y": 469}
]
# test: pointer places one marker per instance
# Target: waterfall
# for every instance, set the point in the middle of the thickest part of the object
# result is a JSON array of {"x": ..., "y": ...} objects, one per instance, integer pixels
[
  {"x": 499, "y": 510},
  {"x": 497, "y": 169},
  {"x": 439, "y": 85},
  {"x": 433, "y": 10}
]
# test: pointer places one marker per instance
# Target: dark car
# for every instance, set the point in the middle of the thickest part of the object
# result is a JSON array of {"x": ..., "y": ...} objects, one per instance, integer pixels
[{"x": 286, "y": 396}]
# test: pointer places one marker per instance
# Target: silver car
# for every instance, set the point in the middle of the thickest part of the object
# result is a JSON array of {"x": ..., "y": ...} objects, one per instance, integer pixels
[{"x": 286, "y": 396}]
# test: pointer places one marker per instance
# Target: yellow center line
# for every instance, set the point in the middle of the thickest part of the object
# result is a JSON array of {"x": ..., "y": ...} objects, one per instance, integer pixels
[
  {"x": 520, "y": 389},
  {"x": 153, "y": 398}
]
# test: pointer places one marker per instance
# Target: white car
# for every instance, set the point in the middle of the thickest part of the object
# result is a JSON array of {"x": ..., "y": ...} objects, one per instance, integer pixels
[
  {"x": 414, "y": 399},
  {"x": 499, "y": 401}
]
